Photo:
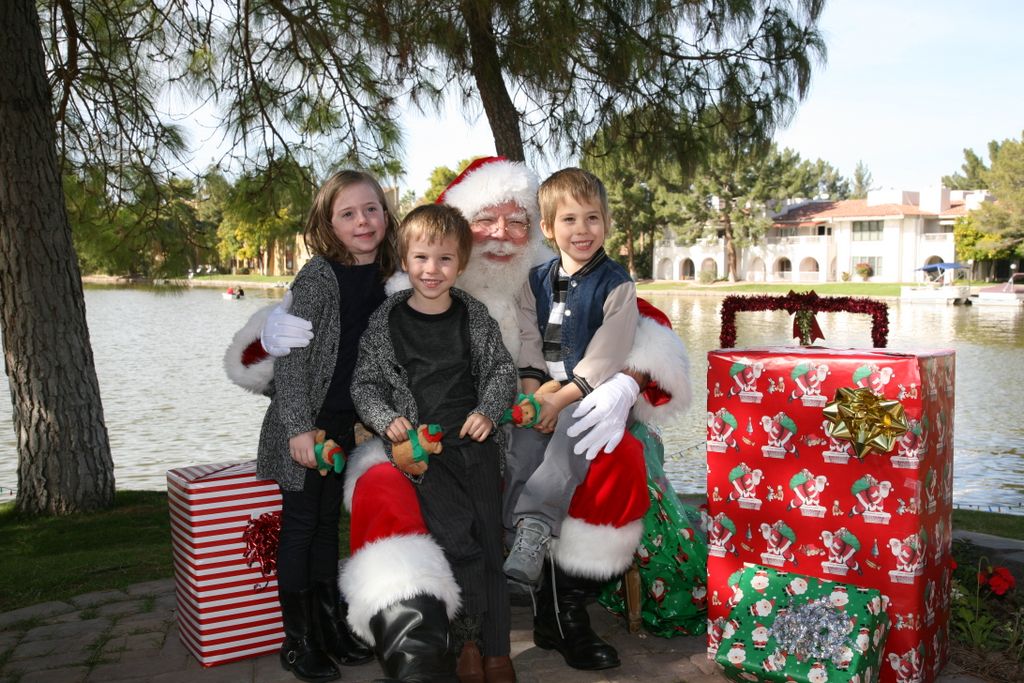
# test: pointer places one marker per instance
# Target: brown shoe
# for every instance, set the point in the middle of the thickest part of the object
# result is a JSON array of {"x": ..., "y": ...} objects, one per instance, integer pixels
[
  {"x": 499, "y": 670},
  {"x": 470, "y": 668}
]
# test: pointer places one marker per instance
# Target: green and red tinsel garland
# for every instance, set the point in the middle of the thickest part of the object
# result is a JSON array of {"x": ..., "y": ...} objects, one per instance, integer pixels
[{"x": 803, "y": 306}]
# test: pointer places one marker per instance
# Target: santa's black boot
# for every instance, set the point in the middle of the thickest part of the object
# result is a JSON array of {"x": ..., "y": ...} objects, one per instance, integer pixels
[
  {"x": 338, "y": 641},
  {"x": 561, "y": 623},
  {"x": 411, "y": 639},
  {"x": 301, "y": 652}
]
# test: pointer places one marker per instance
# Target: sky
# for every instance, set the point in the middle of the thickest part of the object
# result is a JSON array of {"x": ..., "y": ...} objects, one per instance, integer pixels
[{"x": 908, "y": 84}]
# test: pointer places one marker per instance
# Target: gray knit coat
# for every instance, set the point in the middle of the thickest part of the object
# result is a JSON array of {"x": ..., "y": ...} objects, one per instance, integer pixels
[
  {"x": 380, "y": 386},
  {"x": 301, "y": 378}
]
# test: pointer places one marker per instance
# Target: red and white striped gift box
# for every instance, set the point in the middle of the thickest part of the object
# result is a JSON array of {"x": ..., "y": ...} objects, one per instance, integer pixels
[{"x": 227, "y": 610}]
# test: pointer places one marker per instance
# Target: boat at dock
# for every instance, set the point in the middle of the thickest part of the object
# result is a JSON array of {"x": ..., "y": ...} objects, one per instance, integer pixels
[
  {"x": 1010, "y": 293},
  {"x": 942, "y": 294},
  {"x": 940, "y": 286}
]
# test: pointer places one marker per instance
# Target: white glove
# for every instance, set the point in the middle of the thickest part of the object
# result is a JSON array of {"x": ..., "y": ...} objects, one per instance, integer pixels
[
  {"x": 606, "y": 409},
  {"x": 283, "y": 332}
]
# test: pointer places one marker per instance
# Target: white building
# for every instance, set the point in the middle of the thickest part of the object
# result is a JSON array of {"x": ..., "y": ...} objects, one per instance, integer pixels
[{"x": 895, "y": 232}]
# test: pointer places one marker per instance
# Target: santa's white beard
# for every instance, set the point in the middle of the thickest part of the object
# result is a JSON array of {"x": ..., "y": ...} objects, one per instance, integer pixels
[{"x": 497, "y": 283}]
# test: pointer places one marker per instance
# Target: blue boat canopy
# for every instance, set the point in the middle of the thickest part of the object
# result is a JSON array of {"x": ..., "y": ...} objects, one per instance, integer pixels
[{"x": 944, "y": 266}]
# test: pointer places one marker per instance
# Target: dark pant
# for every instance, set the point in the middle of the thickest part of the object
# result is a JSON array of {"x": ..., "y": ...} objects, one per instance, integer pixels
[
  {"x": 460, "y": 498},
  {"x": 308, "y": 545}
]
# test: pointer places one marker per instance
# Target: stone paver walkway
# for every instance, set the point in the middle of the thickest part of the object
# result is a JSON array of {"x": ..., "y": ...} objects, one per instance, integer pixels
[{"x": 132, "y": 637}]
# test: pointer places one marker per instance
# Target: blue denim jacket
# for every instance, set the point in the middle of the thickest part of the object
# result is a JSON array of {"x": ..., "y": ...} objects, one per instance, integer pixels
[{"x": 584, "y": 303}]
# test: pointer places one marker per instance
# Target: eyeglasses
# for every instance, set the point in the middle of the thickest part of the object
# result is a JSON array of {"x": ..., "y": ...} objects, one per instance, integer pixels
[{"x": 514, "y": 227}]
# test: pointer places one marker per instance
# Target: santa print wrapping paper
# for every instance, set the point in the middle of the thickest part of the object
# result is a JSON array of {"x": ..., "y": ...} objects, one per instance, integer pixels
[
  {"x": 227, "y": 609},
  {"x": 747, "y": 646},
  {"x": 783, "y": 493}
]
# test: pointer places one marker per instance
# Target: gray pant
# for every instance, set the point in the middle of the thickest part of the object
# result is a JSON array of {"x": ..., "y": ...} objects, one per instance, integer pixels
[{"x": 542, "y": 473}]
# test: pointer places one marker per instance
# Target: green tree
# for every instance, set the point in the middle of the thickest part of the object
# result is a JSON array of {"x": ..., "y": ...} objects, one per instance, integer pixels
[
  {"x": 1002, "y": 221},
  {"x": 441, "y": 176},
  {"x": 212, "y": 194},
  {"x": 641, "y": 204},
  {"x": 262, "y": 208},
  {"x": 974, "y": 170},
  {"x": 157, "y": 233},
  {"x": 407, "y": 202},
  {"x": 819, "y": 178},
  {"x": 732, "y": 192},
  {"x": 64, "y": 462},
  {"x": 293, "y": 79},
  {"x": 576, "y": 68},
  {"x": 973, "y": 243},
  {"x": 862, "y": 181}
]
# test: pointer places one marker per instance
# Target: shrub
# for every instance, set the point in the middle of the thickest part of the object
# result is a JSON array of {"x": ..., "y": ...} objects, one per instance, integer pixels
[
  {"x": 864, "y": 270},
  {"x": 706, "y": 277},
  {"x": 846, "y": 276}
]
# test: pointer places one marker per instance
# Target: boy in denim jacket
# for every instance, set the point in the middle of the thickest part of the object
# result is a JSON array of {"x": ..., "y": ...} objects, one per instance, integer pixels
[{"x": 577, "y": 319}]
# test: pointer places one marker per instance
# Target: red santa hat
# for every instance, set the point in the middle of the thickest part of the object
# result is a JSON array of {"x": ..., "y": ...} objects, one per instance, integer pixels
[
  {"x": 494, "y": 180},
  {"x": 661, "y": 354}
]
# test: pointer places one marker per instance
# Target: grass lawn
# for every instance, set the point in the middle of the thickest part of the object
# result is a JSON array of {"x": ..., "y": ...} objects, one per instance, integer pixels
[
  {"x": 56, "y": 558},
  {"x": 852, "y": 288},
  {"x": 891, "y": 289},
  {"x": 994, "y": 523}
]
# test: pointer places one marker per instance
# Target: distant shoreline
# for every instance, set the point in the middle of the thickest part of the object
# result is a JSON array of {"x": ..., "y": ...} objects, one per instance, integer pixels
[
  {"x": 889, "y": 291},
  {"x": 116, "y": 280}
]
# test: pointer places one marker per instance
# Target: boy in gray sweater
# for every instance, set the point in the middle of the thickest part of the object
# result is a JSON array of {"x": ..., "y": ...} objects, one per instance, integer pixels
[{"x": 433, "y": 355}]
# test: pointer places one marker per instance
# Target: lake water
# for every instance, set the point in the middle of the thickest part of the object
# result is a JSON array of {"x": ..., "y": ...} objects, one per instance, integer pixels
[{"x": 167, "y": 402}]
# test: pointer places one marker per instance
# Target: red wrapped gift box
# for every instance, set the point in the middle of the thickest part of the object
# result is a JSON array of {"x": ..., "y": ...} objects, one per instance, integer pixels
[
  {"x": 782, "y": 492},
  {"x": 227, "y": 610}
]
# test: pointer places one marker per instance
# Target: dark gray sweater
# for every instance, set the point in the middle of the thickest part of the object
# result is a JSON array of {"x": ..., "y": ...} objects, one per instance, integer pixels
[
  {"x": 380, "y": 386},
  {"x": 301, "y": 378}
]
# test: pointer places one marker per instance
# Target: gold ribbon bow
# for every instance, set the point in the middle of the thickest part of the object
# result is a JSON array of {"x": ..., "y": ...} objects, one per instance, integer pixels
[{"x": 869, "y": 422}]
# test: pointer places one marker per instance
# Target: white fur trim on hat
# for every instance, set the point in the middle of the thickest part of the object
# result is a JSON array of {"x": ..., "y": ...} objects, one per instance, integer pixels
[
  {"x": 596, "y": 551},
  {"x": 256, "y": 377},
  {"x": 393, "y": 569},
  {"x": 494, "y": 181},
  {"x": 365, "y": 456},
  {"x": 659, "y": 352}
]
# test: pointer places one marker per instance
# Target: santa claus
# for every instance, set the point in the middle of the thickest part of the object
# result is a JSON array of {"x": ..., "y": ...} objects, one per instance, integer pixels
[{"x": 397, "y": 580}]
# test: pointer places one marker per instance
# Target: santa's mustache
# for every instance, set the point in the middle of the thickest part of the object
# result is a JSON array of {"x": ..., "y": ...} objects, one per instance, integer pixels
[{"x": 503, "y": 249}]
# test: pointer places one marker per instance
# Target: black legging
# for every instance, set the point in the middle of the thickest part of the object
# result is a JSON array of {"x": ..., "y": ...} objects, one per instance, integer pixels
[{"x": 308, "y": 545}]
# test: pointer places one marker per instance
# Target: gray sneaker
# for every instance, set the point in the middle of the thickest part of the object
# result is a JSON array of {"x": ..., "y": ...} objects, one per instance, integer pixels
[{"x": 526, "y": 559}]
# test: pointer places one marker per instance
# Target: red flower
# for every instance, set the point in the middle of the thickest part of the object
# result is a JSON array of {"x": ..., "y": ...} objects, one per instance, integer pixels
[
  {"x": 1001, "y": 581},
  {"x": 982, "y": 578},
  {"x": 953, "y": 564}
]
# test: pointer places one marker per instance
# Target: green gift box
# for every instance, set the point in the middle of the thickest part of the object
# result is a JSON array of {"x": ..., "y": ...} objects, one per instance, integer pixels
[{"x": 785, "y": 626}]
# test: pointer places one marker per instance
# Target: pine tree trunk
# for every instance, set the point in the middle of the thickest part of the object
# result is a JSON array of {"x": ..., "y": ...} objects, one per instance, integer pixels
[
  {"x": 64, "y": 462},
  {"x": 730, "y": 247},
  {"x": 486, "y": 68},
  {"x": 629, "y": 252}
]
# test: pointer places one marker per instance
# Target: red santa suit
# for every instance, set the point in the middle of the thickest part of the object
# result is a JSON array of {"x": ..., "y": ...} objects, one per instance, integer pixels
[{"x": 393, "y": 556}]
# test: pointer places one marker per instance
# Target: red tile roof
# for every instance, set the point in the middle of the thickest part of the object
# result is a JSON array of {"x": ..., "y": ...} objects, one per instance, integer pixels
[
  {"x": 955, "y": 209},
  {"x": 814, "y": 212}
]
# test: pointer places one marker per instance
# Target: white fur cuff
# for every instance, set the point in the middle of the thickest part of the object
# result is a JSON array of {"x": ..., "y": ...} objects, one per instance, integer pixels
[
  {"x": 658, "y": 351},
  {"x": 258, "y": 376},
  {"x": 391, "y": 570},
  {"x": 365, "y": 456},
  {"x": 596, "y": 551}
]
